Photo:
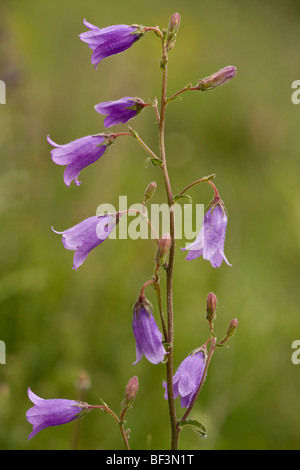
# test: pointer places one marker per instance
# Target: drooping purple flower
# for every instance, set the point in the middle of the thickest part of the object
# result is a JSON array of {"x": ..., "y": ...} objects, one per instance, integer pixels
[
  {"x": 210, "y": 241},
  {"x": 87, "y": 235},
  {"x": 78, "y": 154},
  {"x": 120, "y": 111},
  {"x": 187, "y": 378},
  {"x": 109, "y": 41},
  {"x": 52, "y": 412},
  {"x": 147, "y": 335}
]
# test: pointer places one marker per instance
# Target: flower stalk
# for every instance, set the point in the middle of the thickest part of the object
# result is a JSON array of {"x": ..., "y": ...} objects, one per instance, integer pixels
[
  {"x": 169, "y": 287},
  {"x": 120, "y": 421}
]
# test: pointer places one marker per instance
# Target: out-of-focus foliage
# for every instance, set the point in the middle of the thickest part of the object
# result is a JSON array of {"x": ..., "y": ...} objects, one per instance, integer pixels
[{"x": 57, "y": 322}]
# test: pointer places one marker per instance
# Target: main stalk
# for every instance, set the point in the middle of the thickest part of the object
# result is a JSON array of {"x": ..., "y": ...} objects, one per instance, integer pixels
[{"x": 170, "y": 321}]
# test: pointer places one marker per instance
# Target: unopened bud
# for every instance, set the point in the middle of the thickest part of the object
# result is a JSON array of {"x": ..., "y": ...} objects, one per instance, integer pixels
[
  {"x": 131, "y": 391},
  {"x": 163, "y": 249},
  {"x": 174, "y": 23},
  {"x": 172, "y": 30},
  {"x": 217, "y": 79},
  {"x": 211, "y": 307},
  {"x": 232, "y": 327},
  {"x": 150, "y": 190}
]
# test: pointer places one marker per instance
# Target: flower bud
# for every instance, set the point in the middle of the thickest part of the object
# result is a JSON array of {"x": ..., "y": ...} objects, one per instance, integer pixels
[
  {"x": 150, "y": 190},
  {"x": 163, "y": 249},
  {"x": 217, "y": 79},
  {"x": 232, "y": 327},
  {"x": 211, "y": 307},
  {"x": 174, "y": 23},
  {"x": 131, "y": 391},
  {"x": 172, "y": 30}
]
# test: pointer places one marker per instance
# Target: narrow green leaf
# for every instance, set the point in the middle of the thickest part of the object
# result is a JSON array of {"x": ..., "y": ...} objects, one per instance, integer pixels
[
  {"x": 177, "y": 197},
  {"x": 199, "y": 428},
  {"x": 202, "y": 434},
  {"x": 154, "y": 161},
  {"x": 169, "y": 100}
]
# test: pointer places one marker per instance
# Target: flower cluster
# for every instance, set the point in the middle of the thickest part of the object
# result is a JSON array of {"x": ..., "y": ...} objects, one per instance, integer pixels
[{"x": 86, "y": 235}]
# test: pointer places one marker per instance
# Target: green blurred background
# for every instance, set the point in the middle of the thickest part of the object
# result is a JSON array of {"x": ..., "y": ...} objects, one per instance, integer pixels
[{"x": 57, "y": 322}]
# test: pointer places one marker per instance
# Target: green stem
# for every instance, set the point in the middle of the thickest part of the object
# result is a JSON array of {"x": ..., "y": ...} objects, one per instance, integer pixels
[
  {"x": 186, "y": 88},
  {"x": 143, "y": 144},
  {"x": 137, "y": 212},
  {"x": 205, "y": 179},
  {"x": 106, "y": 409},
  {"x": 159, "y": 301},
  {"x": 171, "y": 402}
]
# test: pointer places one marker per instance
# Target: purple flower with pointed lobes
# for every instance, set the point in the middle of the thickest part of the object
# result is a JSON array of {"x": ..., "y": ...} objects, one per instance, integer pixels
[
  {"x": 210, "y": 241},
  {"x": 147, "y": 335},
  {"x": 78, "y": 154},
  {"x": 109, "y": 41},
  {"x": 87, "y": 235},
  {"x": 187, "y": 378},
  {"x": 53, "y": 412},
  {"x": 120, "y": 111}
]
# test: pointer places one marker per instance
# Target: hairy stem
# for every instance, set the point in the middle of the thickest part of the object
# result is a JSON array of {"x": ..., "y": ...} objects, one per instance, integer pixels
[
  {"x": 159, "y": 301},
  {"x": 143, "y": 216},
  {"x": 205, "y": 179},
  {"x": 106, "y": 409},
  {"x": 170, "y": 324},
  {"x": 142, "y": 143}
]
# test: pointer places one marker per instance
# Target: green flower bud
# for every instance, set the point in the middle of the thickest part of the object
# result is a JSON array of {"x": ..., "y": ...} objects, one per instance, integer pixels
[
  {"x": 172, "y": 30},
  {"x": 150, "y": 190},
  {"x": 131, "y": 391},
  {"x": 163, "y": 249}
]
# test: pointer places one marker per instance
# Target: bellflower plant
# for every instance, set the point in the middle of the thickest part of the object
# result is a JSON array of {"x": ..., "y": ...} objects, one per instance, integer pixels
[{"x": 155, "y": 343}]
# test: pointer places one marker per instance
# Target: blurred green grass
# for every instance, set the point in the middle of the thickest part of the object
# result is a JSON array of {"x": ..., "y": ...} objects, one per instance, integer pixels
[{"x": 56, "y": 322}]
